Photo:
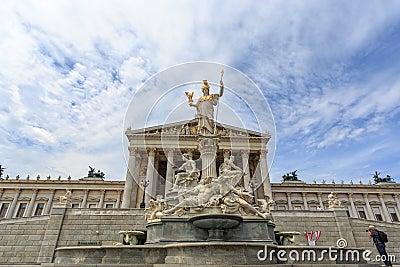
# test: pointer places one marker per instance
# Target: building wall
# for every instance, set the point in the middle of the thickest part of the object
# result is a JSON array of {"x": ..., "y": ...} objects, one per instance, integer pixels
[
  {"x": 102, "y": 225},
  {"x": 21, "y": 239}
]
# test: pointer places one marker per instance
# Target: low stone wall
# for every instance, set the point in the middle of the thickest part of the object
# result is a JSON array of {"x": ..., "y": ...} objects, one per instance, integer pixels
[
  {"x": 21, "y": 239},
  {"x": 88, "y": 226},
  {"x": 302, "y": 221}
]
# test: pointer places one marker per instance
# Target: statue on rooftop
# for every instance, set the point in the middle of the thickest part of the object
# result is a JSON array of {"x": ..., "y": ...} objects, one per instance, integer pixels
[
  {"x": 291, "y": 176},
  {"x": 378, "y": 179}
]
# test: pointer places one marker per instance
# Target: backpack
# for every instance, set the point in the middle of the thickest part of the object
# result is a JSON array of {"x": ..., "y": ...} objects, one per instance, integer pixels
[{"x": 382, "y": 236}]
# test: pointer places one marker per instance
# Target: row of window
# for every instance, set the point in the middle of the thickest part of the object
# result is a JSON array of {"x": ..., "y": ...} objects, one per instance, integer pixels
[
  {"x": 360, "y": 211},
  {"x": 39, "y": 208}
]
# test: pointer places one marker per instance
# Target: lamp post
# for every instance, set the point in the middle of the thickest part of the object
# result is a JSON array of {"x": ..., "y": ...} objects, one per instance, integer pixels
[
  {"x": 144, "y": 183},
  {"x": 253, "y": 185}
]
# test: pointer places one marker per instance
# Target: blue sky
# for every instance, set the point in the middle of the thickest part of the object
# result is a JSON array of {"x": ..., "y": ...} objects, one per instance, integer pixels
[{"x": 328, "y": 69}]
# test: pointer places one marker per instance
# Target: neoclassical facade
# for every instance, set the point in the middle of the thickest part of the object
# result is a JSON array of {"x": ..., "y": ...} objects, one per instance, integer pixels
[{"x": 156, "y": 152}]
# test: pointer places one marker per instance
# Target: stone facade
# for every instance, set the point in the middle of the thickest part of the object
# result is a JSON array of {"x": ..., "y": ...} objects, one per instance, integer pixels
[{"x": 39, "y": 226}]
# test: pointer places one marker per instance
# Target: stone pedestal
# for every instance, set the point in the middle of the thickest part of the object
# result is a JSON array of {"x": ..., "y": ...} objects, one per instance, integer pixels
[{"x": 208, "y": 149}]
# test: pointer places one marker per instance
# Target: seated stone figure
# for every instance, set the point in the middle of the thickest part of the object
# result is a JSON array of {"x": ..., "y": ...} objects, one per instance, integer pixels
[
  {"x": 191, "y": 173},
  {"x": 229, "y": 169}
]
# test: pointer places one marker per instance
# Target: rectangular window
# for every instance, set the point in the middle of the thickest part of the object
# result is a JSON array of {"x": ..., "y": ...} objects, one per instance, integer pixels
[
  {"x": 393, "y": 214},
  {"x": 109, "y": 206},
  {"x": 361, "y": 213},
  {"x": 3, "y": 210},
  {"x": 282, "y": 207},
  {"x": 21, "y": 210},
  {"x": 75, "y": 205},
  {"x": 92, "y": 206},
  {"x": 298, "y": 207},
  {"x": 377, "y": 213},
  {"x": 312, "y": 207},
  {"x": 39, "y": 209}
]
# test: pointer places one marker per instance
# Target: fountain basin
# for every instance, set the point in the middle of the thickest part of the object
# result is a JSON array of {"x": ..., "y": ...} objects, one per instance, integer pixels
[{"x": 216, "y": 224}]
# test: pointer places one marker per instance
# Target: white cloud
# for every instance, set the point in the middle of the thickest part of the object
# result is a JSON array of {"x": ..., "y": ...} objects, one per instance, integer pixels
[{"x": 69, "y": 69}]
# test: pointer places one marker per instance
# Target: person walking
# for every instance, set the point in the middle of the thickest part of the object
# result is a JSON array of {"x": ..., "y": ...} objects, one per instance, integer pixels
[{"x": 379, "y": 244}]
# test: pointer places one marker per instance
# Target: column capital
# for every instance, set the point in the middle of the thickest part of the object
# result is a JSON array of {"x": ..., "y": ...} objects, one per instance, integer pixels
[
  {"x": 17, "y": 190},
  {"x": 133, "y": 151},
  {"x": 396, "y": 195},
  {"x": 86, "y": 190},
  {"x": 319, "y": 194},
  {"x": 380, "y": 194},
  {"x": 288, "y": 193},
  {"x": 35, "y": 190},
  {"x": 151, "y": 151},
  {"x": 365, "y": 194},
  {"x": 102, "y": 191},
  {"x": 350, "y": 194},
  {"x": 169, "y": 152},
  {"x": 263, "y": 153},
  {"x": 245, "y": 154},
  {"x": 304, "y": 194}
]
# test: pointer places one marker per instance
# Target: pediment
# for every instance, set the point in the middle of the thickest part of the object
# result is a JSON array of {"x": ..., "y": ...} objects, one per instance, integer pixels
[{"x": 189, "y": 128}]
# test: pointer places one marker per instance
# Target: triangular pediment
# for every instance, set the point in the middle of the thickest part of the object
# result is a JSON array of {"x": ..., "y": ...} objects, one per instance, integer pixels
[{"x": 190, "y": 128}]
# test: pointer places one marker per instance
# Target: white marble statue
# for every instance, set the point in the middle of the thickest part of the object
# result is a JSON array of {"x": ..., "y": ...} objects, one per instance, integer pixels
[
  {"x": 191, "y": 173},
  {"x": 333, "y": 200}
]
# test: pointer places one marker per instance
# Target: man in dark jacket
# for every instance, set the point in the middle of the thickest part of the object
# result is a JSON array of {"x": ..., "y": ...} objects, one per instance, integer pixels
[{"x": 380, "y": 245}]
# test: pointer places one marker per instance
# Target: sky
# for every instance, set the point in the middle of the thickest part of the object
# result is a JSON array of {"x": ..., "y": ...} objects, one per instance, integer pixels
[{"x": 329, "y": 71}]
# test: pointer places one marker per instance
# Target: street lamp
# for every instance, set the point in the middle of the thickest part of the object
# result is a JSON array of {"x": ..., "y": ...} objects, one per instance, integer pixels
[
  {"x": 253, "y": 185},
  {"x": 144, "y": 183}
]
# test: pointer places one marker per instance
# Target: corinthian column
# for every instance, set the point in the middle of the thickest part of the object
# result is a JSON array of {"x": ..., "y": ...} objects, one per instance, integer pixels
[
  {"x": 49, "y": 202},
  {"x": 246, "y": 170},
  {"x": 126, "y": 199},
  {"x": 150, "y": 174},
  {"x": 11, "y": 210},
  {"x": 28, "y": 213},
  {"x": 208, "y": 150},
  {"x": 170, "y": 172},
  {"x": 385, "y": 210},
  {"x": 265, "y": 173},
  {"x": 352, "y": 207},
  {"x": 370, "y": 213}
]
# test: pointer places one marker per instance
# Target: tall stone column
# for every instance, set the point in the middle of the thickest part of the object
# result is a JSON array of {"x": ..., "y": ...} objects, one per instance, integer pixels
[
  {"x": 370, "y": 213},
  {"x": 265, "y": 173},
  {"x": 170, "y": 172},
  {"x": 304, "y": 194},
  {"x": 385, "y": 209},
  {"x": 118, "y": 199},
  {"x": 101, "y": 201},
  {"x": 246, "y": 170},
  {"x": 49, "y": 202},
  {"x": 321, "y": 203},
  {"x": 208, "y": 151},
  {"x": 1, "y": 192},
  {"x": 11, "y": 210},
  {"x": 126, "y": 199},
  {"x": 150, "y": 174},
  {"x": 289, "y": 200},
  {"x": 85, "y": 197},
  {"x": 397, "y": 200},
  {"x": 28, "y": 212},
  {"x": 353, "y": 210}
]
